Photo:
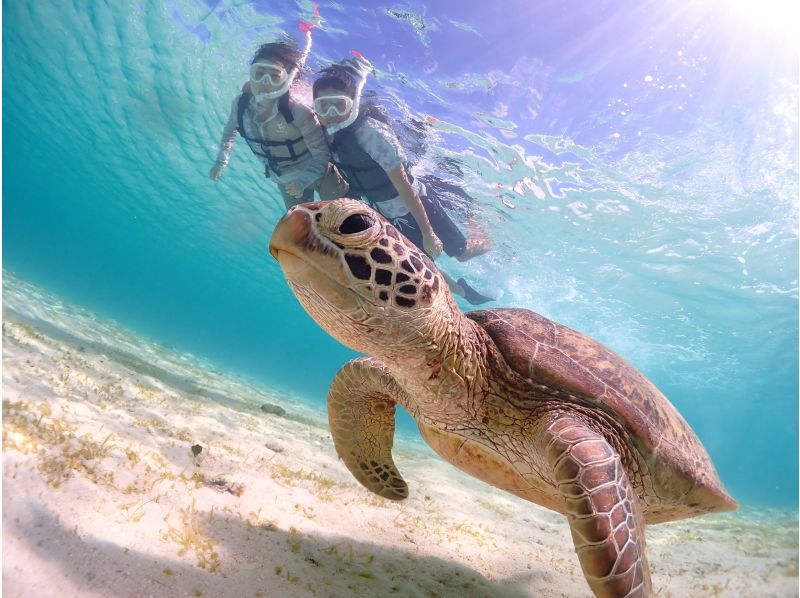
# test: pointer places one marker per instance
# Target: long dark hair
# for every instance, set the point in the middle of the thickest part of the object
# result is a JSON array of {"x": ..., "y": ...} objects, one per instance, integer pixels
[
  {"x": 340, "y": 77},
  {"x": 284, "y": 51}
]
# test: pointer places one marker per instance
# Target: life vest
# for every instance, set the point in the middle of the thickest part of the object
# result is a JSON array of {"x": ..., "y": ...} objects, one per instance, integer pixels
[
  {"x": 284, "y": 144},
  {"x": 365, "y": 176}
]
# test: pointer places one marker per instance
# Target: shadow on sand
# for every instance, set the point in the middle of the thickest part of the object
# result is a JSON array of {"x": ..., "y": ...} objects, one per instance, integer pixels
[{"x": 265, "y": 561}]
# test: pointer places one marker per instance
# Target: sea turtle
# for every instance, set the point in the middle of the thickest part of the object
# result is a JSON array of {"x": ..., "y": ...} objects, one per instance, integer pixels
[{"x": 506, "y": 395}]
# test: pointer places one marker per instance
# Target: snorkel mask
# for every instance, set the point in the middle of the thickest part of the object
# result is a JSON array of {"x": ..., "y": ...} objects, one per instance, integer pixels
[
  {"x": 276, "y": 75},
  {"x": 333, "y": 105},
  {"x": 338, "y": 105}
]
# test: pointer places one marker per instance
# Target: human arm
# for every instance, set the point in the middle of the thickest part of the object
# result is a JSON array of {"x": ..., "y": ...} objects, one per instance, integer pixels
[
  {"x": 431, "y": 243},
  {"x": 228, "y": 139},
  {"x": 378, "y": 139},
  {"x": 298, "y": 180}
]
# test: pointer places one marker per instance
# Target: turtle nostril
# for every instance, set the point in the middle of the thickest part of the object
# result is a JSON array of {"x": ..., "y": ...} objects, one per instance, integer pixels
[
  {"x": 290, "y": 231},
  {"x": 355, "y": 223}
]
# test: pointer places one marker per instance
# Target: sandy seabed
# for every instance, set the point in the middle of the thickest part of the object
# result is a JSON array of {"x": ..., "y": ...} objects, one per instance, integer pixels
[{"x": 103, "y": 494}]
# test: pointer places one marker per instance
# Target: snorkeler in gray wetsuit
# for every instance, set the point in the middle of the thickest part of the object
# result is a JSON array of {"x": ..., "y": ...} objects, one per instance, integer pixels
[
  {"x": 368, "y": 155},
  {"x": 279, "y": 129}
]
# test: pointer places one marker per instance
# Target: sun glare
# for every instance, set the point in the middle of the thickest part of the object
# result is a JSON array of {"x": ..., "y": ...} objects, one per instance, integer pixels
[{"x": 780, "y": 17}]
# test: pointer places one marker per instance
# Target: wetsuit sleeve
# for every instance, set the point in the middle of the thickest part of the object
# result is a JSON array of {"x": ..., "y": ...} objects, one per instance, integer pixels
[
  {"x": 380, "y": 142},
  {"x": 229, "y": 134},
  {"x": 317, "y": 164}
]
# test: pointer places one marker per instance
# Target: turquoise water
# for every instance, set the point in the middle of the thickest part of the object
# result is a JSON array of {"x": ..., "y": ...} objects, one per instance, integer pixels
[{"x": 638, "y": 174}]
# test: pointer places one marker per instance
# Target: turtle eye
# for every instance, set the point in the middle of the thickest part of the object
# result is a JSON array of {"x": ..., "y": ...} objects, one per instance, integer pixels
[{"x": 355, "y": 223}]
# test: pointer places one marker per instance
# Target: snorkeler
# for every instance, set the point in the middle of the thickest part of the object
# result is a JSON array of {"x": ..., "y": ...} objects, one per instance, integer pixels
[
  {"x": 368, "y": 155},
  {"x": 281, "y": 130}
]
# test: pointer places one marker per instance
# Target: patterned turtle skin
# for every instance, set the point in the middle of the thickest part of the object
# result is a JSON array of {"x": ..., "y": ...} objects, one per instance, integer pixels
[{"x": 506, "y": 395}]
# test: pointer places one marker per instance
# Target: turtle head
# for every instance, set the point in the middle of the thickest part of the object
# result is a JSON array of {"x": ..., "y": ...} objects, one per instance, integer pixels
[{"x": 358, "y": 277}]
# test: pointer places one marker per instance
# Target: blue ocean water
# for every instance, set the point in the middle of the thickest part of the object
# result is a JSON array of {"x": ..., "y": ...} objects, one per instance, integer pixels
[{"x": 635, "y": 164}]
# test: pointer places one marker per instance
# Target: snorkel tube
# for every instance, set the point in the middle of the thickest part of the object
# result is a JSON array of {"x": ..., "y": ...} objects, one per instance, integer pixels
[
  {"x": 358, "y": 68},
  {"x": 305, "y": 27}
]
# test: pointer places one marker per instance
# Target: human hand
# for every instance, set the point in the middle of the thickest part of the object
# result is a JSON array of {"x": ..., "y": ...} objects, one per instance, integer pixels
[
  {"x": 216, "y": 171},
  {"x": 293, "y": 188},
  {"x": 432, "y": 244}
]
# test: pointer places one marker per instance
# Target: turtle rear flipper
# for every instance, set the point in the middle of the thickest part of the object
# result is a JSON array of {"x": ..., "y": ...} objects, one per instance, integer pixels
[
  {"x": 361, "y": 407},
  {"x": 602, "y": 508}
]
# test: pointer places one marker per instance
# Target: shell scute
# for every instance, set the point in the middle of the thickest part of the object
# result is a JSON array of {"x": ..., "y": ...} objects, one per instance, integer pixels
[
  {"x": 567, "y": 361},
  {"x": 554, "y": 367}
]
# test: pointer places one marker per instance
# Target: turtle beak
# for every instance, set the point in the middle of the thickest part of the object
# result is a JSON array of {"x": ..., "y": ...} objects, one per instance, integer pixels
[
  {"x": 312, "y": 274},
  {"x": 289, "y": 233}
]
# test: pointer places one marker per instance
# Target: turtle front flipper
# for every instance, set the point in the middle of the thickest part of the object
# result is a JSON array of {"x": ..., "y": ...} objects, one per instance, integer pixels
[
  {"x": 361, "y": 407},
  {"x": 602, "y": 508}
]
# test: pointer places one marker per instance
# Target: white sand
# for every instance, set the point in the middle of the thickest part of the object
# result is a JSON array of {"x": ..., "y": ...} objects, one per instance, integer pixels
[{"x": 102, "y": 495}]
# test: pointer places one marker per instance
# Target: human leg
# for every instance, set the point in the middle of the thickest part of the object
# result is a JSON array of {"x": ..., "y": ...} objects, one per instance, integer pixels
[
  {"x": 463, "y": 289},
  {"x": 455, "y": 243},
  {"x": 477, "y": 242},
  {"x": 409, "y": 227}
]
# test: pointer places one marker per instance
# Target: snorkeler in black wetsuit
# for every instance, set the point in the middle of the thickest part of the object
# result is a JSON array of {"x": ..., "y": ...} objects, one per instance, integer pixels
[{"x": 368, "y": 155}]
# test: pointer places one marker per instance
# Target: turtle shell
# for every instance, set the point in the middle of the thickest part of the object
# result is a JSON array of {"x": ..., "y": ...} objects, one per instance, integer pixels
[{"x": 583, "y": 370}]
